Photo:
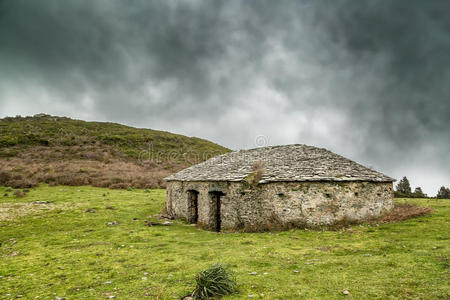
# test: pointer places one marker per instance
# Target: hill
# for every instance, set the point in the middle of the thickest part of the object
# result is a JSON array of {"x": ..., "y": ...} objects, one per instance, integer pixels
[{"x": 60, "y": 150}]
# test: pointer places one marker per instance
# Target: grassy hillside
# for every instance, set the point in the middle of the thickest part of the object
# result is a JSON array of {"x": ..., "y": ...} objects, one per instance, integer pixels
[
  {"x": 59, "y": 150},
  {"x": 65, "y": 248}
]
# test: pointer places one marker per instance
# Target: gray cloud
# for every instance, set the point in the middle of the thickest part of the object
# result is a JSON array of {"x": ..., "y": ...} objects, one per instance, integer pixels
[{"x": 367, "y": 79}]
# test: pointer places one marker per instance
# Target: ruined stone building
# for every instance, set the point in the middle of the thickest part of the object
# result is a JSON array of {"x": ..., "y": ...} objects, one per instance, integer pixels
[{"x": 277, "y": 187}]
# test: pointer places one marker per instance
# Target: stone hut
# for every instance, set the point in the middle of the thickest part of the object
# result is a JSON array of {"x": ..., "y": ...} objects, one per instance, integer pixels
[{"x": 277, "y": 187}]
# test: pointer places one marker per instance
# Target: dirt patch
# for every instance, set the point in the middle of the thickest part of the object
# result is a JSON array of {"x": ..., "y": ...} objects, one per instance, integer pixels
[{"x": 402, "y": 212}]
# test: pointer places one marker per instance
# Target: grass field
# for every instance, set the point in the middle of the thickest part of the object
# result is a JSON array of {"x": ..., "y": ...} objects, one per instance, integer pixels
[{"x": 66, "y": 248}]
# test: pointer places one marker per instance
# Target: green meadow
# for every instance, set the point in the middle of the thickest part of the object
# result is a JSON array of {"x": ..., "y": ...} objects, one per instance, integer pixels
[{"x": 56, "y": 243}]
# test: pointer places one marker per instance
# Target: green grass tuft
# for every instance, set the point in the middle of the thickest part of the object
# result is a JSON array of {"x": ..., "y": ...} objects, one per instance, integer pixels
[{"x": 216, "y": 281}]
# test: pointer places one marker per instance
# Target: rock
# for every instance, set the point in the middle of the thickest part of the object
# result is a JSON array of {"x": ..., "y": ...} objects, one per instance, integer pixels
[
  {"x": 346, "y": 292},
  {"x": 108, "y": 282},
  {"x": 150, "y": 224},
  {"x": 295, "y": 271},
  {"x": 252, "y": 273},
  {"x": 60, "y": 298},
  {"x": 112, "y": 296},
  {"x": 144, "y": 278},
  {"x": 41, "y": 202},
  {"x": 164, "y": 216},
  {"x": 113, "y": 223},
  {"x": 188, "y": 298},
  {"x": 90, "y": 210},
  {"x": 146, "y": 273}
]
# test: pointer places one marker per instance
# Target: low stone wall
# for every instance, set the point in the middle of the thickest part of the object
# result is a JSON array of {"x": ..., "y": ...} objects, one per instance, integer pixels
[{"x": 281, "y": 205}]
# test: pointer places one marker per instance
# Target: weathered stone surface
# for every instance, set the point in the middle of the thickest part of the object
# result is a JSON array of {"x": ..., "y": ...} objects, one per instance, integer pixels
[
  {"x": 281, "y": 163},
  {"x": 299, "y": 186},
  {"x": 281, "y": 205}
]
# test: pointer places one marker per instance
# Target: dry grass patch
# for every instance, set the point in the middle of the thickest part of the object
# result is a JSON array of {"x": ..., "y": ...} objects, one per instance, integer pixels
[
  {"x": 12, "y": 211},
  {"x": 405, "y": 211},
  {"x": 112, "y": 174}
]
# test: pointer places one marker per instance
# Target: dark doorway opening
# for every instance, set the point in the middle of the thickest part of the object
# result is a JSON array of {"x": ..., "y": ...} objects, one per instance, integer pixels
[
  {"x": 192, "y": 206},
  {"x": 216, "y": 209}
]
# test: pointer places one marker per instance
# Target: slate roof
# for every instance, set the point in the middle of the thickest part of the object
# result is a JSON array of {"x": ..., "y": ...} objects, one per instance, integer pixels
[{"x": 281, "y": 163}]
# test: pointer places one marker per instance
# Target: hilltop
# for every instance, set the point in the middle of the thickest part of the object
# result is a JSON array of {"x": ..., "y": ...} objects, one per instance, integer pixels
[{"x": 60, "y": 150}]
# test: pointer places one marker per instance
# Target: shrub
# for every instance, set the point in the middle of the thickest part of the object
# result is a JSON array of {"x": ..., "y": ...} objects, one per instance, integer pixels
[
  {"x": 398, "y": 194},
  {"x": 19, "y": 194},
  {"x": 4, "y": 177},
  {"x": 22, "y": 183},
  {"x": 6, "y": 141},
  {"x": 214, "y": 281},
  {"x": 121, "y": 185},
  {"x": 257, "y": 173}
]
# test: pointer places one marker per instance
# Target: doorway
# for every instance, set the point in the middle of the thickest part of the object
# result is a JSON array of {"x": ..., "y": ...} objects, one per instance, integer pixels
[
  {"x": 192, "y": 206},
  {"x": 216, "y": 210}
]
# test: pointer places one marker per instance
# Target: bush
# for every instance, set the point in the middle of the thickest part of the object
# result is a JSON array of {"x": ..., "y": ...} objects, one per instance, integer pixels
[
  {"x": 257, "y": 173},
  {"x": 398, "y": 194},
  {"x": 23, "y": 183},
  {"x": 19, "y": 194},
  {"x": 4, "y": 177},
  {"x": 214, "y": 281},
  {"x": 6, "y": 141}
]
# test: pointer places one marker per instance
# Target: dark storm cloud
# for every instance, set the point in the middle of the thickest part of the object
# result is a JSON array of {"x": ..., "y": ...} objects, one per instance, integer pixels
[{"x": 367, "y": 79}]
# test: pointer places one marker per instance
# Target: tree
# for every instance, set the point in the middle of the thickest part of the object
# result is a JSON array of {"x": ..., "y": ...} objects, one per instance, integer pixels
[
  {"x": 404, "y": 187},
  {"x": 443, "y": 193},
  {"x": 418, "y": 193}
]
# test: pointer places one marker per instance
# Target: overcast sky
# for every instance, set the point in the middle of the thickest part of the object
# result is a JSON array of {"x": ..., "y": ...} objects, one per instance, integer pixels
[{"x": 369, "y": 80}]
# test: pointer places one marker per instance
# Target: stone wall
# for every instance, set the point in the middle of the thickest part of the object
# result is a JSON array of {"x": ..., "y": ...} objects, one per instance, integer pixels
[{"x": 281, "y": 205}]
